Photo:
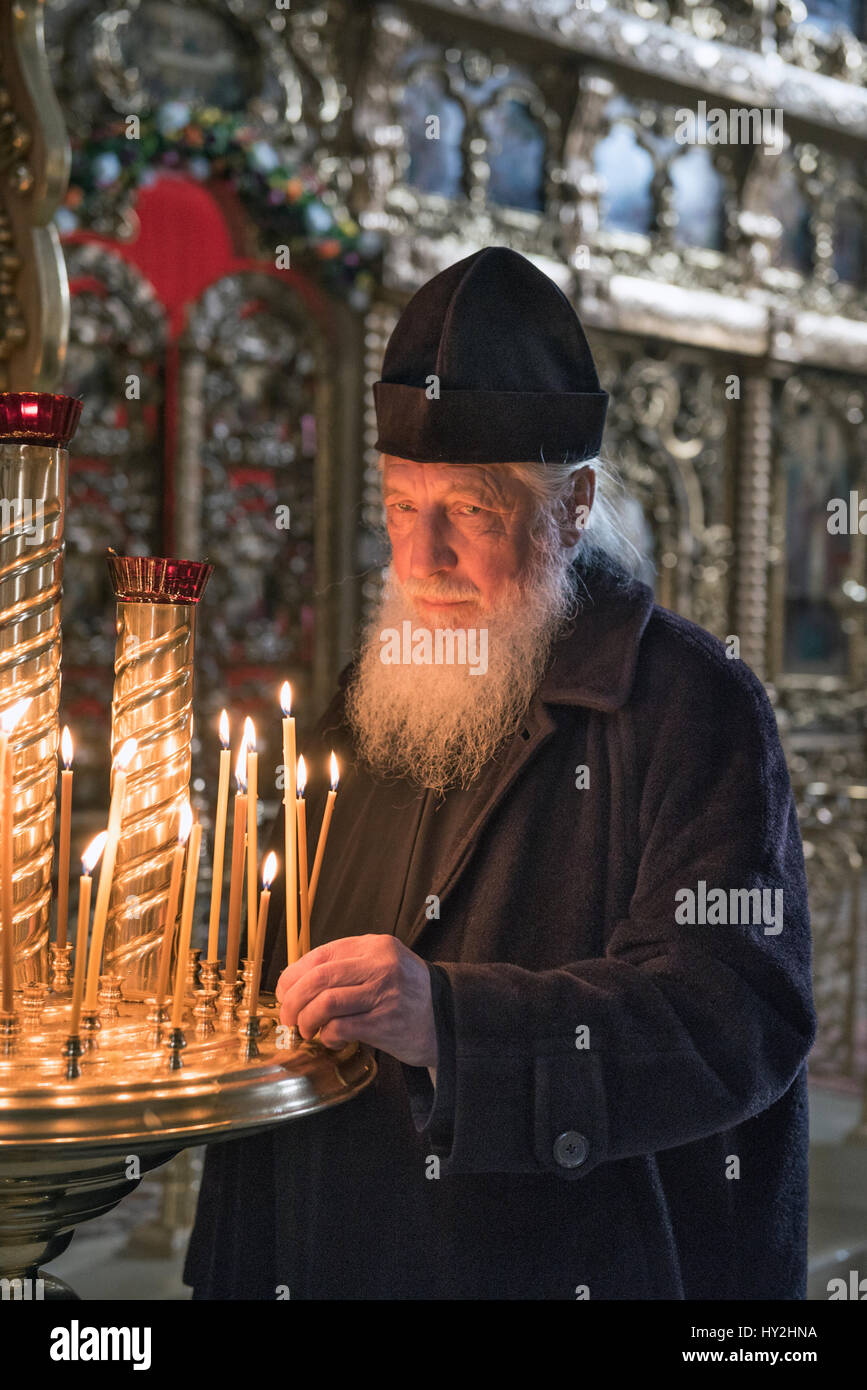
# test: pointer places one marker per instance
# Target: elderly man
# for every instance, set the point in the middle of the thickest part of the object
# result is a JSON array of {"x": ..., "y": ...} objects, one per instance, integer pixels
[{"x": 564, "y": 892}]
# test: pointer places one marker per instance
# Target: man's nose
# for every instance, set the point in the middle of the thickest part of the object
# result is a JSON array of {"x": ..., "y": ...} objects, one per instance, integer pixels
[{"x": 430, "y": 548}]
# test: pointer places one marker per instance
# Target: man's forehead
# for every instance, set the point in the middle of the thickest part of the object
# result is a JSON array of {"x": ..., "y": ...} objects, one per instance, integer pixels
[{"x": 490, "y": 478}]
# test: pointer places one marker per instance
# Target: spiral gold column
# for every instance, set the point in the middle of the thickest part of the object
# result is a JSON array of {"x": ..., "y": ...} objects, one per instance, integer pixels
[
  {"x": 153, "y": 703},
  {"x": 34, "y": 426}
]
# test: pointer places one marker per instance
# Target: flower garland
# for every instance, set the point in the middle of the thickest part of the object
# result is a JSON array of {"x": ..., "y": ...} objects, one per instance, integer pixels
[{"x": 289, "y": 203}]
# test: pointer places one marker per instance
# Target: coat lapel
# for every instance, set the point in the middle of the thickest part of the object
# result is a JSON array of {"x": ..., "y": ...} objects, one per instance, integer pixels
[
  {"x": 595, "y": 664},
  {"x": 537, "y": 729}
]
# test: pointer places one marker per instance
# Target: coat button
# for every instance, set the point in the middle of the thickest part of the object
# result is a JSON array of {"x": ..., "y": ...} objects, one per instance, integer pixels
[{"x": 571, "y": 1149}]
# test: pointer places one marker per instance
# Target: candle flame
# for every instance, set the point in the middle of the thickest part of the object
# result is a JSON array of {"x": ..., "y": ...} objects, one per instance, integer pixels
[
  {"x": 301, "y": 778},
  {"x": 250, "y": 735},
  {"x": 9, "y": 718},
  {"x": 286, "y": 699},
  {"x": 335, "y": 772},
  {"x": 269, "y": 870},
  {"x": 66, "y": 746},
  {"x": 126, "y": 754},
  {"x": 224, "y": 729},
  {"x": 185, "y": 822},
  {"x": 92, "y": 854},
  {"x": 241, "y": 768}
]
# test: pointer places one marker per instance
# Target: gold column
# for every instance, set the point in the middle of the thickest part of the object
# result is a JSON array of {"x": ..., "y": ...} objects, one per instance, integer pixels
[
  {"x": 153, "y": 703},
  {"x": 34, "y": 170},
  {"x": 34, "y": 426}
]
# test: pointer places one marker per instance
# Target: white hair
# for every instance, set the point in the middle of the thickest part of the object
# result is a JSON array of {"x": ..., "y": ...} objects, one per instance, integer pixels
[{"x": 603, "y": 542}]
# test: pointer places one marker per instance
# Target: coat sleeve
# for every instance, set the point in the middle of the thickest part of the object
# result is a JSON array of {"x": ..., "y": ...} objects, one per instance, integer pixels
[{"x": 679, "y": 1030}]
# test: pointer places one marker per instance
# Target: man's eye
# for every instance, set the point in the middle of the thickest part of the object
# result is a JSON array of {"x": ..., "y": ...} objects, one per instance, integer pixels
[{"x": 470, "y": 509}]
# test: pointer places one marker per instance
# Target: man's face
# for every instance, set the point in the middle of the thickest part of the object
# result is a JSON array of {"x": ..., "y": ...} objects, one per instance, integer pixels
[{"x": 460, "y": 533}]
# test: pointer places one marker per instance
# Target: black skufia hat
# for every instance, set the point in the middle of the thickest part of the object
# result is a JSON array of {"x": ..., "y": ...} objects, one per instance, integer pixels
[{"x": 517, "y": 382}]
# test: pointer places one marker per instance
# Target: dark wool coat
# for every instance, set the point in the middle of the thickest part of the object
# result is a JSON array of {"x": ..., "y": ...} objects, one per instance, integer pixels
[{"x": 661, "y": 1153}]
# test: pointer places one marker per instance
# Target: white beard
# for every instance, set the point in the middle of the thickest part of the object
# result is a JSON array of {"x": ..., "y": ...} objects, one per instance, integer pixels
[{"x": 438, "y": 725}]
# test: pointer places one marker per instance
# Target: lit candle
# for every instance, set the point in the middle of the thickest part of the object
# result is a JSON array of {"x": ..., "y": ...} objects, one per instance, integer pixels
[
  {"x": 302, "y": 858},
  {"x": 89, "y": 860},
  {"x": 252, "y": 832},
  {"x": 8, "y": 720},
  {"x": 323, "y": 829},
  {"x": 65, "y": 826},
  {"x": 185, "y": 825},
  {"x": 190, "y": 880},
  {"x": 219, "y": 839},
  {"x": 236, "y": 882},
  {"x": 106, "y": 872},
  {"x": 268, "y": 872},
  {"x": 289, "y": 812}
]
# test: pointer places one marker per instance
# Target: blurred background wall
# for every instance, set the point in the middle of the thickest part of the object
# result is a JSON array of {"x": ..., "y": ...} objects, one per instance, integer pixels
[{"x": 250, "y": 194}]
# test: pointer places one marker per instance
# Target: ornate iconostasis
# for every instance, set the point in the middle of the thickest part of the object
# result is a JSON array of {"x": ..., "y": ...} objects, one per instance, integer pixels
[{"x": 254, "y": 192}]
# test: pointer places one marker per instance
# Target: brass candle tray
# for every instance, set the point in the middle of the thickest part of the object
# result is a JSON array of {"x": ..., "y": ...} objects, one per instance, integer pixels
[
  {"x": 66, "y": 1144},
  {"x": 127, "y": 1093}
]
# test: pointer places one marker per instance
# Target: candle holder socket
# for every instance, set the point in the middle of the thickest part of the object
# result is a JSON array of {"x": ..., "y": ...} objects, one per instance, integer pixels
[
  {"x": 10, "y": 1027},
  {"x": 243, "y": 1010},
  {"x": 156, "y": 1016},
  {"x": 209, "y": 974},
  {"x": 227, "y": 1014},
  {"x": 89, "y": 1026},
  {"x": 72, "y": 1052},
  {"x": 176, "y": 1043},
  {"x": 205, "y": 1011},
  {"x": 109, "y": 996},
  {"x": 59, "y": 967},
  {"x": 251, "y": 1031},
  {"x": 192, "y": 981},
  {"x": 33, "y": 1001}
]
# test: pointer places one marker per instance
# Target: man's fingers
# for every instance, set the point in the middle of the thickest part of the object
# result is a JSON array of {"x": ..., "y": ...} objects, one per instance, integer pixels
[
  {"x": 344, "y": 948},
  {"x": 332, "y": 974},
  {"x": 349, "y": 1028},
  {"x": 308, "y": 962},
  {"x": 332, "y": 1004}
]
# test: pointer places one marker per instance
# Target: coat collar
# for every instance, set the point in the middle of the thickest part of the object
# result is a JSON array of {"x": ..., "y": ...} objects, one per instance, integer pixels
[{"x": 594, "y": 664}]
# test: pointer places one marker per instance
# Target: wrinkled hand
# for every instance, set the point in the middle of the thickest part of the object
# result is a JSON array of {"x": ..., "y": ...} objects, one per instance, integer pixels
[{"x": 369, "y": 989}]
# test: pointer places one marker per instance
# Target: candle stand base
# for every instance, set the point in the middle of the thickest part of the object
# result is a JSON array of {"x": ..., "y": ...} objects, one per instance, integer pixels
[{"x": 75, "y": 1110}]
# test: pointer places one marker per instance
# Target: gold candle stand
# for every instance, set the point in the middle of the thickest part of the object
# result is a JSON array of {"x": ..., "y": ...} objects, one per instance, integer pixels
[{"x": 74, "y": 1108}]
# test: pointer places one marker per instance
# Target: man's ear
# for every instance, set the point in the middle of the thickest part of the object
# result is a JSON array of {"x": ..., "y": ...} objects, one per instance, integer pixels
[{"x": 579, "y": 504}]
